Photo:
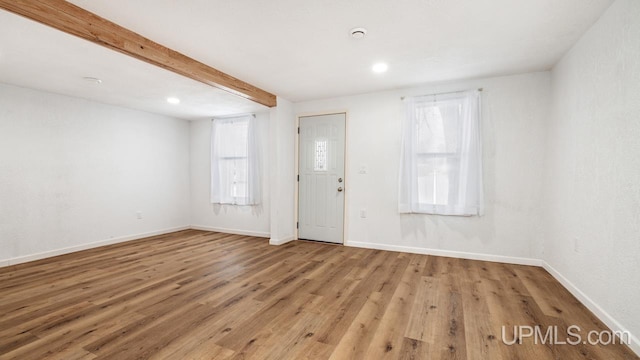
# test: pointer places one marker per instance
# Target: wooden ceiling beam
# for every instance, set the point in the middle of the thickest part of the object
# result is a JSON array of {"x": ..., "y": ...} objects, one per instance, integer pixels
[{"x": 74, "y": 20}]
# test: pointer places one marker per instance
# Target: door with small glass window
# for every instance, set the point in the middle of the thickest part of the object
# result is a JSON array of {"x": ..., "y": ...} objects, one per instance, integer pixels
[{"x": 321, "y": 178}]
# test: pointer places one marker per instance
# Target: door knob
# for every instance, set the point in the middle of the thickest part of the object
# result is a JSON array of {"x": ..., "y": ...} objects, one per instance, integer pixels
[{"x": 340, "y": 189}]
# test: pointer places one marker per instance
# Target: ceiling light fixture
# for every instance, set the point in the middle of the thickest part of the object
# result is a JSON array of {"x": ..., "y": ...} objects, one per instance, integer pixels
[
  {"x": 358, "y": 33},
  {"x": 173, "y": 100},
  {"x": 92, "y": 80},
  {"x": 380, "y": 68}
]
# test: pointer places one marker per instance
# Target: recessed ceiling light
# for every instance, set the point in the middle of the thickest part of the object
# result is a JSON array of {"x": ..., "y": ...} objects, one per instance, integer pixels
[
  {"x": 173, "y": 100},
  {"x": 92, "y": 80},
  {"x": 380, "y": 67},
  {"x": 358, "y": 33}
]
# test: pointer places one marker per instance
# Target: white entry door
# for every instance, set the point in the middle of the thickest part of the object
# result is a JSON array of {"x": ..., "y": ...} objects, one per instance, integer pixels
[{"x": 321, "y": 183}]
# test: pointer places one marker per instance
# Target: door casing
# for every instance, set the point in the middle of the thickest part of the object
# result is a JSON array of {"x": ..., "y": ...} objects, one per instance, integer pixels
[{"x": 346, "y": 169}]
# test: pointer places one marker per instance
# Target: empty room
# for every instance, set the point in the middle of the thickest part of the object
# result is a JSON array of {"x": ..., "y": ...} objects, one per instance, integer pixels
[{"x": 418, "y": 179}]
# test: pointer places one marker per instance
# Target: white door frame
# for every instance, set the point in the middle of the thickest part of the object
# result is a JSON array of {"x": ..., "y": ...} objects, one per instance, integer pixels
[{"x": 346, "y": 167}]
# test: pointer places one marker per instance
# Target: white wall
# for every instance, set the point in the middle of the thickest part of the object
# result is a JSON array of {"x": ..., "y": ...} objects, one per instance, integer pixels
[
  {"x": 282, "y": 138},
  {"x": 515, "y": 111},
  {"x": 250, "y": 220},
  {"x": 74, "y": 172},
  {"x": 593, "y": 178},
  {"x": 274, "y": 218},
  {"x": 561, "y": 161}
]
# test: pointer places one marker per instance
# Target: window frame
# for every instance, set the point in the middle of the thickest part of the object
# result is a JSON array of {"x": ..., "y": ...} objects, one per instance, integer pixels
[
  {"x": 463, "y": 166},
  {"x": 225, "y": 186}
]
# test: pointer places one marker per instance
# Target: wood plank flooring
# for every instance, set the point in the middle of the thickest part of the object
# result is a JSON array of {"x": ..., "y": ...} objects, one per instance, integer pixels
[{"x": 204, "y": 295}]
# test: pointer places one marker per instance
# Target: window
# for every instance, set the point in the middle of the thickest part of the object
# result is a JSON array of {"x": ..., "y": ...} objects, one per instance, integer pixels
[
  {"x": 441, "y": 165},
  {"x": 234, "y": 162},
  {"x": 320, "y": 163}
]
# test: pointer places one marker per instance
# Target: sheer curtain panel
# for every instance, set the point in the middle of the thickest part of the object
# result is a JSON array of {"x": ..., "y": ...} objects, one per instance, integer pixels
[
  {"x": 441, "y": 160},
  {"x": 235, "y": 177}
]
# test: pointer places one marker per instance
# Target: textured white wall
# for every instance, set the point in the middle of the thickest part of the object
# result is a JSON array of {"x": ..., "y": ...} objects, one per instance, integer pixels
[
  {"x": 254, "y": 220},
  {"x": 593, "y": 178},
  {"x": 282, "y": 139},
  {"x": 73, "y": 172},
  {"x": 515, "y": 111},
  {"x": 561, "y": 152}
]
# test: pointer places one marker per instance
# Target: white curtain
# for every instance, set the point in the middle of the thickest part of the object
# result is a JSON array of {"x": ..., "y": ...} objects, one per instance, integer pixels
[
  {"x": 441, "y": 160},
  {"x": 235, "y": 167}
]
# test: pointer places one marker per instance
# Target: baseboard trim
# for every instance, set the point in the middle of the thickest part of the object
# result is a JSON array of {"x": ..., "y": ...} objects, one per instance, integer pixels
[
  {"x": 596, "y": 309},
  {"x": 447, "y": 253},
  {"x": 91, "y": 245},
  {"x": 231, "y": 231},
  {"x": 284, "y": 240}
]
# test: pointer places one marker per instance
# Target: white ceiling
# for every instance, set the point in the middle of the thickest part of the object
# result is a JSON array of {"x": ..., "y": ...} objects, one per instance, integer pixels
[
  {"x": 301, "y": 50},
  {"x": 38, "y": 57}
]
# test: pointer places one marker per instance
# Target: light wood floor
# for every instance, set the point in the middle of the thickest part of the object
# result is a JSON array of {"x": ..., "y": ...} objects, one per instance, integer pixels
[{"x": 203, "y": 295}]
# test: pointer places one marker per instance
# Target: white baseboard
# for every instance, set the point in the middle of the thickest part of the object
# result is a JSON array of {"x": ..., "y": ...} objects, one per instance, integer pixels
[
  {"x": 232, "y": 231},
  {"x": 284, "y": 240},
  {"x": 91, "y": 245},
  {"x": 607, "y": 319},
  {"x": 448, "y": 253},
  {"x": 598, "y": 311}
]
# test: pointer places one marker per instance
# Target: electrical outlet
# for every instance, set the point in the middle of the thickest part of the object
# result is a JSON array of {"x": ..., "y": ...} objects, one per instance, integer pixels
[
  {"x": 576, "y": 245},
  {"x": 363, "y": 213},
  {"x": 139, "y": 214}
]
